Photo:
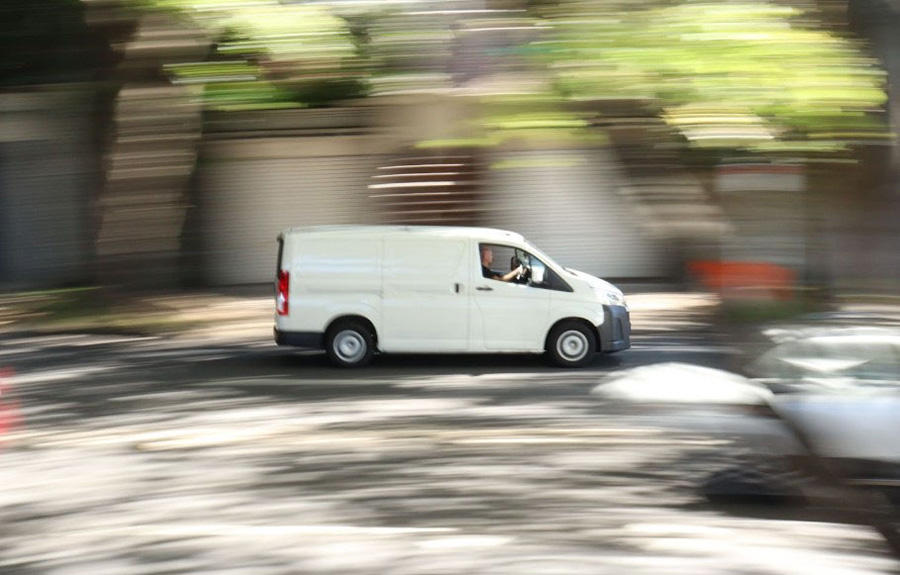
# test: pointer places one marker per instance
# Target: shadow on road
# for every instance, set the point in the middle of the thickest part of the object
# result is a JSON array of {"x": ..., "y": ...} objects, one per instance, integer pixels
[{"x": 437, "y": 364}]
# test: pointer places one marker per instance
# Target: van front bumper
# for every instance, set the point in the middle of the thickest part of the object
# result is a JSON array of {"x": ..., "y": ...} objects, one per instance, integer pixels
[{"x": 615, "y": 331}]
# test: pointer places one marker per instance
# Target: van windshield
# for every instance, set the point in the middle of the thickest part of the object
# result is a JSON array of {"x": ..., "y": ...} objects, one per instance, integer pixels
[{"x": 543, "y": 256}]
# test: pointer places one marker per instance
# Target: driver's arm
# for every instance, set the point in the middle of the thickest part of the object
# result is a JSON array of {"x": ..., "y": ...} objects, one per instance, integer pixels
[{"x": 509, "y": 276}]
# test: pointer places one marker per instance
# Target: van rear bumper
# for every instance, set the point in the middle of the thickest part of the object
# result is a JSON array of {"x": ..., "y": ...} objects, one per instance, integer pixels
[
  {"x": 311, "y": 339},
  {"x": 615, "y": 331}
]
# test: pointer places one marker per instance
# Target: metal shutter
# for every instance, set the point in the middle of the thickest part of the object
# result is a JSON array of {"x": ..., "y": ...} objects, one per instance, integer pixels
[
  {"x": 567, "y": 203},
  {"x": 248, "y": 201},
  {"x": 45, "y": 239}
]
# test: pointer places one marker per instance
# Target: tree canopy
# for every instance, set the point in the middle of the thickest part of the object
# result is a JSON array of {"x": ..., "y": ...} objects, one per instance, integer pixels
[
  {"x": 751, "y": 75},
  {"x": 268, "y": 54}
]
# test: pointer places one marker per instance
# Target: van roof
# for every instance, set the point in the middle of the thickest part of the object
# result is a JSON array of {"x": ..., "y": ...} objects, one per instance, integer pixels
[{"x": 444, "y": 231}]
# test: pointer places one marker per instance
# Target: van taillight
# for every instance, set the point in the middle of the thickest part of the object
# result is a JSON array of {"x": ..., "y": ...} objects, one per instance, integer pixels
[{"x": 281, "y": 295}]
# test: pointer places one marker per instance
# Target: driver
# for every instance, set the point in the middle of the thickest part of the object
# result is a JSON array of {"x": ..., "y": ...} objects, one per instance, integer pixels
[{"x": 487, "y": 257}]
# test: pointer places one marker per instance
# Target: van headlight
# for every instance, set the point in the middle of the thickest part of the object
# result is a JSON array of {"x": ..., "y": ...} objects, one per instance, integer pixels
[{"x": 610, "y": 297}]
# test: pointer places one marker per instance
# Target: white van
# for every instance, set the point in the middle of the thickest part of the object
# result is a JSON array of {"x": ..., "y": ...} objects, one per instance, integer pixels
[{"x": 355, "y": 290}]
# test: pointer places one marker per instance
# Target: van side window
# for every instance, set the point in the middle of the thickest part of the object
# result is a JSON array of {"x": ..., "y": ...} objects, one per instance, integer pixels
[
  {"x": 497, "y": 262},
  {"x": 514, "y": 265}
]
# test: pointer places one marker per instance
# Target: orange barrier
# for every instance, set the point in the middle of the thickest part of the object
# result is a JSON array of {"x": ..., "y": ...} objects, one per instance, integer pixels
[
  {"x": 10, "y": 410},
  {"x": 756, "y": 280}
]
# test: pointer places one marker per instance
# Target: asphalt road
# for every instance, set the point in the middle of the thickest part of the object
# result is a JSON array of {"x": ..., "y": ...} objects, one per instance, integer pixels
[{"x": 194, "y": 456}]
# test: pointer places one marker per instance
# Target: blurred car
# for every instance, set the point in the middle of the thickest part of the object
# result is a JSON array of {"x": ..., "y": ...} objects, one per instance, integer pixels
[
  {"x": 853, "y": 433},
  {"x": 754, "y": 455},
  {"x": 839, "y": 385},
  {"x": 829, "y": 358},
  {"x": 842, "y": 437}
]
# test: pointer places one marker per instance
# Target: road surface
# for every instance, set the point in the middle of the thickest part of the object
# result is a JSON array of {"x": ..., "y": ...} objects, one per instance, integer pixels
[{"x": 231, "y": 456}]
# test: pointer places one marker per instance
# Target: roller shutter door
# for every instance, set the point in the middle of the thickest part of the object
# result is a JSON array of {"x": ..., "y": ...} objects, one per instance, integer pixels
[
  {"x": 567, "y": 203},
  {"x": 248, "y": 201}
]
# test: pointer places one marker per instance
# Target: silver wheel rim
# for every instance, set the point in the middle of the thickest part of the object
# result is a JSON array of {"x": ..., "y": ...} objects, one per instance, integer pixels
[
  {"x": 349, "y": 346},
  {"x": 572, "y": 345}
]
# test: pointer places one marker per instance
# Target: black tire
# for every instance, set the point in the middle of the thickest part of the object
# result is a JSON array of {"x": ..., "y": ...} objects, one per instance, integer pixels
[
  {"x": 349, "y": 344},
  {"x": 571, "y": 344}
]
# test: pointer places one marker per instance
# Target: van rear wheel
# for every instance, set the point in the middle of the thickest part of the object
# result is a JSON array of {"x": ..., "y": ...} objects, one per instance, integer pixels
[
  {"x": 349, "y": 344},
  {"x": 571, "y": 344}
]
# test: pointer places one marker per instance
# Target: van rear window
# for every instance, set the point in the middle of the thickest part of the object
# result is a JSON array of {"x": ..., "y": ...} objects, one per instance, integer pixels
[{"x": 280, "y": 254}]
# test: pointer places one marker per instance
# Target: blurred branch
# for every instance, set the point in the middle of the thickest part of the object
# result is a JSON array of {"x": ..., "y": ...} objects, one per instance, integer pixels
[
  {"x": 727, "y": 75},
  {"x": 272, "y": 53}
]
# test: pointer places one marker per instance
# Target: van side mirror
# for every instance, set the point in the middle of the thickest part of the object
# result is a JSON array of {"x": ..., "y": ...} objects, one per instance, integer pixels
[{"x": 537, "y": 272}]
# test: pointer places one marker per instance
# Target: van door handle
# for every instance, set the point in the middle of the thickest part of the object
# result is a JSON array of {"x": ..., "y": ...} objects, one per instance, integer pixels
[
  {"x": 456, "y": 287},
  {"x": 484, "y": 288}
]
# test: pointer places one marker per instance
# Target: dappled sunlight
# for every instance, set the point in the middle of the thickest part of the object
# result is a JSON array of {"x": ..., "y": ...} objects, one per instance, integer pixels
[
  {"x": 731, "y": 165},
  {"x": 482, "y": 472}
]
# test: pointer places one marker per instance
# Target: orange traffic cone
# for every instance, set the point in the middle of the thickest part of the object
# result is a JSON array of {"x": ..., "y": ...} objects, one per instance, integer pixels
[{"x": 10, "y": 408}]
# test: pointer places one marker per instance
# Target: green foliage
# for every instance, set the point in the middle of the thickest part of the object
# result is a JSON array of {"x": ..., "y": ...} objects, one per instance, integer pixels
[
  {"x": 727, "y": 74},
  {"x": 535, "y": 117},
  {"x": 269, "y": 54}
]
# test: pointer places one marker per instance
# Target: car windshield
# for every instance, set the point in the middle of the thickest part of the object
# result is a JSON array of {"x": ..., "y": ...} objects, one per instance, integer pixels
[{"x": 860, "y": 357}]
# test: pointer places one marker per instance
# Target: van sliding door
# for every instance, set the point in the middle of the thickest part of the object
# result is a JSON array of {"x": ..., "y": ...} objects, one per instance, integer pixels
[{"x": 425, "y": 305}]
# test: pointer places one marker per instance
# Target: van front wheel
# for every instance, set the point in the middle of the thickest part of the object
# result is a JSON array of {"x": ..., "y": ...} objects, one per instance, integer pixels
[
  {"x": 349, "y": 344},
  {"x": 571, "y": 344}
]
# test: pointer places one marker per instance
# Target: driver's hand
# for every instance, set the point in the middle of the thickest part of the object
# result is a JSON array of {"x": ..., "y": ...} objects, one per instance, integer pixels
[{"x": 520, "y": 270}]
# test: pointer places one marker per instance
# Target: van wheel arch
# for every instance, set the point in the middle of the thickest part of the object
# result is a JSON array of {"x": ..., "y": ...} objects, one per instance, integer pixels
[
  {"x": 350, "y": 341},
  {"x": 354, "y": 318},
  {"x": 591, "y": 332}
]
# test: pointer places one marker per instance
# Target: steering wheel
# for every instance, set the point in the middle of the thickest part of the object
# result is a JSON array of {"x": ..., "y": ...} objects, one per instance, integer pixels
[{"x": 525, "y": 274}]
